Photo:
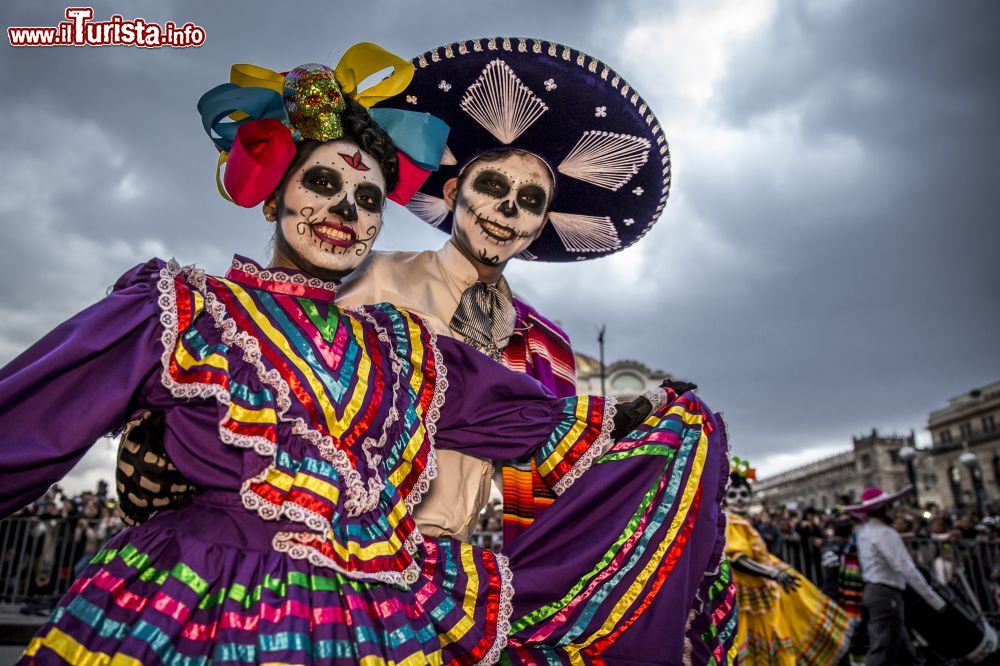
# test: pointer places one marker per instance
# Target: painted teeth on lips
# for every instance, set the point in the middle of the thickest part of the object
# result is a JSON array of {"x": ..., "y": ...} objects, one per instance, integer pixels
[
  {"x": 498, "y": 231},
  {"x": 334, "y": 233}
]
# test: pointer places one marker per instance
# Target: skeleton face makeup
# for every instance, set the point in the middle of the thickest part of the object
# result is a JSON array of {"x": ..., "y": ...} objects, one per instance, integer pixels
[
  {"x": 331, "y": 210},
  {"x": 500, "y": 206},
  {"x": 738, "y": 499}
]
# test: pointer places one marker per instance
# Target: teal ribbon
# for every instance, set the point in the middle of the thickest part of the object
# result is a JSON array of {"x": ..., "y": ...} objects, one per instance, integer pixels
[
  {"x": 222, "y": 100},
  {"x": 420, "y": 135}
]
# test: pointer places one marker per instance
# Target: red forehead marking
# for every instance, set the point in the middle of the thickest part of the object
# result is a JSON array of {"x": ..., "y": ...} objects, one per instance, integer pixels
[{"x": 355, "y": 161}]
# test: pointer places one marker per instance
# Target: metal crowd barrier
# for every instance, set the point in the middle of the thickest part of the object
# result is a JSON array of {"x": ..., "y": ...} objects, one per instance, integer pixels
[
  {"x": 38, "y": 556},
  {"x": 972, "y": 566}
]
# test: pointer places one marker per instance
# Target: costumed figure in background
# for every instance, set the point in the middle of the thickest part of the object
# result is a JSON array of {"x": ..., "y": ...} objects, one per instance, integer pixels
[
  {"x": 887, "y": 569},
  {"x": 784, "y": 619},
  {"x": 311, "y": 431},
  {"x": 551, "y": 156}
]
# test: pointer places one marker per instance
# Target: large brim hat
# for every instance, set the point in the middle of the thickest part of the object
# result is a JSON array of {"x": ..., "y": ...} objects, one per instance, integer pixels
[
  {"x": 874, "y": 498},
  {"x": 599, "y": 137}
]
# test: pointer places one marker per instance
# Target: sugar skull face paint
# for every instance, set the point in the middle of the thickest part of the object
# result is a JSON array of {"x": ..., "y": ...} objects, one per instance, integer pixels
[
  {"x": 500, "y": 205},
  {"x": 738, "y": 498},
  {"x": 330, "y": 211}
]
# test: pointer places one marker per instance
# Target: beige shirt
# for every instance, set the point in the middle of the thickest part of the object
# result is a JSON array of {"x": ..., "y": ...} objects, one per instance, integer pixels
[{"x": 430, "y": 284}]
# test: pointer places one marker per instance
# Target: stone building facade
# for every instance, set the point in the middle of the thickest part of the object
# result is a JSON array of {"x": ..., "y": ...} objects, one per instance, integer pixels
[
  {"x": 840, "y": 479},
  {"x": 622, "y": 379},
  {"x": 970, "y": 423}
]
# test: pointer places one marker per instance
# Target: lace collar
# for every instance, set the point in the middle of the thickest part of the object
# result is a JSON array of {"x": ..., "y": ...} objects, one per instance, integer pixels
[{"x": 280, "y": 280}]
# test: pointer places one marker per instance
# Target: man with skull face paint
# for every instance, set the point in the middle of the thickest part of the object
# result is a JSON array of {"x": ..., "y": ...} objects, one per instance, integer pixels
[
  {"x": 311, "y": 432},
  {"x": 545, "y": 161},
  {"x": 499, "y": 203},
  {"x": 784, "y": 619}
]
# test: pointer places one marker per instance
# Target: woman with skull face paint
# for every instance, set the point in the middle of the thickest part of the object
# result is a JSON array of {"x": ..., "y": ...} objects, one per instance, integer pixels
[
  {"x": 310, "y": 432},
  {"x": 783, "y": 618}
]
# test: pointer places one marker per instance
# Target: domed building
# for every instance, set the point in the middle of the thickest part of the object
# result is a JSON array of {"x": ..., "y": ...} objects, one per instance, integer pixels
[{"x": 622, "y": 379}]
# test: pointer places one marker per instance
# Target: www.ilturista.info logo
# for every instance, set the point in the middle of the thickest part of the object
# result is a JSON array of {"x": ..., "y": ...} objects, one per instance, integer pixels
[{"x": 80, "y": 30}]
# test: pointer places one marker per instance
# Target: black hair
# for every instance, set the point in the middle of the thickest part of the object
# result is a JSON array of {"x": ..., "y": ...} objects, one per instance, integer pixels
[
  {"x": 369, "y": 135},
  {"x": 360, "y": 128},
  {"x": 843, "y": 526},
  {"x": 737, "y": 480}
]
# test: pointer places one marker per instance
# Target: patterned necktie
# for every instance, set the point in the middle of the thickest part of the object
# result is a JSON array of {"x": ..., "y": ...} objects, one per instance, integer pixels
[{"x": 485, "y": 317}]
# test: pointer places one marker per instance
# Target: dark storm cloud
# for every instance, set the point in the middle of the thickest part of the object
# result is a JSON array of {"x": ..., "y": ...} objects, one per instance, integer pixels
[
  {"x": 886, "y": 300},
  {"x": 825, "y": 264},
  {"x": 860, "y": 201}
]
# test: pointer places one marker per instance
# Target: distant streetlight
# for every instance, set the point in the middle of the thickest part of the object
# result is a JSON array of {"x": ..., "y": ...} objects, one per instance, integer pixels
[
  {"x": 908, "y": 455},
  {"x": 600, "y": 342},
  {"x": 969, "y": 460}
]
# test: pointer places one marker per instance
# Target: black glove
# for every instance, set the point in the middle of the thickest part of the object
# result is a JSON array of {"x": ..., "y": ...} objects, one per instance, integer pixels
[
  {"x": 677, "y": 386},
  {"x": 787, "y": 581},
  {"x": 629, "y": 415}
]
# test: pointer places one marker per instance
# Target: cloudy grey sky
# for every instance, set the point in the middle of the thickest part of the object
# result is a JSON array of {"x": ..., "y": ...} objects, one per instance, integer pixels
[{"x": 827, "y": 262}]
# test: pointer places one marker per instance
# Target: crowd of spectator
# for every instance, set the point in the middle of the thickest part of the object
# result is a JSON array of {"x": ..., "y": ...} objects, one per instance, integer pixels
[
  {"x": 63, "y": 531},
  {"x": 957, "y": 547},
  {"x": 46, "y": 543},
  {"x": 812, "y": 525}
]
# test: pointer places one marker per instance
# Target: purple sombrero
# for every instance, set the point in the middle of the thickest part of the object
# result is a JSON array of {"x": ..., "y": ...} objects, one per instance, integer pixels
[{"x": 598, "y": 136}]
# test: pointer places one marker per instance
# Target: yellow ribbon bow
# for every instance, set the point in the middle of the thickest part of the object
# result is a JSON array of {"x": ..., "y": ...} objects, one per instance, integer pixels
[{"x": 357, "y": 64}]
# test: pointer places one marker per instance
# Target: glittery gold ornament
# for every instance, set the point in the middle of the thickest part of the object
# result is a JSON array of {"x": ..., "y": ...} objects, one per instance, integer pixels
[{"x": 314, "y": 102}]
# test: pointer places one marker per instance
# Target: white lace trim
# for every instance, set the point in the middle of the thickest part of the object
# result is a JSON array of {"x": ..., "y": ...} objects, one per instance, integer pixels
[
  {"x": 505, "y": 611},
  {"x": 285, "y": 542},
  {"x": 596, "y": 450},
  {"x": 371, "y": 446},
  {"x": 358, "y": 498},
  {"x": 698, "y": 607},
  {"x": 272, "y": 275},
  {"x": 657, "y": 396},
  {"x": 430, "y": 471},
  {"x": 431, "y": 418}
]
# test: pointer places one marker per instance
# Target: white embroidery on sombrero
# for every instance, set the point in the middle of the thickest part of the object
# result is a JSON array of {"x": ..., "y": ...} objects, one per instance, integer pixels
[
  {"x": 429, "y": 209},
  {"x": 448, "y": 157},
  {"x": 503, "y": 105},
  {"x": 585, "y": 233},
  {"x": 606, "y": 159},
  {"x": 527, "y": 256},
  {"x": 606, "y": 79}
]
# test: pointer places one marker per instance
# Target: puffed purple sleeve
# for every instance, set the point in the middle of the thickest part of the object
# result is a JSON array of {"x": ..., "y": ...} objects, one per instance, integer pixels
[
  {"x": 76, "y": 384},
  {"x": 498, "y": 414}
]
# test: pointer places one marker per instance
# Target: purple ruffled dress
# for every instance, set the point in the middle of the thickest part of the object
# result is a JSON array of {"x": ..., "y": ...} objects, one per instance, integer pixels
[{"x": 312, "y": 431}]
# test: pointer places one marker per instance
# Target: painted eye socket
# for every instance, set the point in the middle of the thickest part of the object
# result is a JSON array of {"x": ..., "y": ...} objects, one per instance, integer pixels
[
  {"x": 491, "y": 183},
  {"x": 322, "y": 180},
  {"x": 369, "y": 197},
  {"x": 532, "y": 198}
]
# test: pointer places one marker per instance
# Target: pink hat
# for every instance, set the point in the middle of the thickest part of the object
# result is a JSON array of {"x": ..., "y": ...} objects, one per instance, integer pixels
[{"x": 875, "y": 497}]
